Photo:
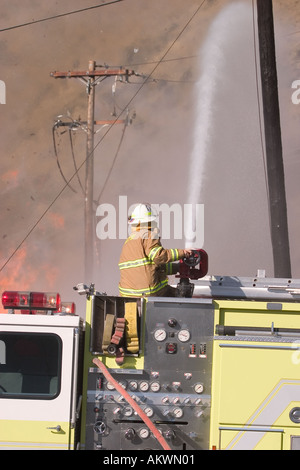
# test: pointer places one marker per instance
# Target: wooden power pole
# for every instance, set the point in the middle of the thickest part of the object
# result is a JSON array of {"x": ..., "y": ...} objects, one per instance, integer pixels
[
  {"x": 275, "y": 168},
  {"x": 89, "y": 180},
  {"x": 90, "y": 78}
]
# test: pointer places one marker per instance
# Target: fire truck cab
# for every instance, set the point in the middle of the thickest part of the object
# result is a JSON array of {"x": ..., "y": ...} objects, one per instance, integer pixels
[{"x": 39, "y": 373}]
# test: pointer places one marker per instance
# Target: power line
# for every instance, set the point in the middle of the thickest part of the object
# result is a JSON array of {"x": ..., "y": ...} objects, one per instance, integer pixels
[
  {"x": 61, "y": 15},
  {"x": 105, "y": 134},
  {"x": 166, "y": 60},
  {"x": 168, "y": 80},
  {"x": 57, "y": 159}
]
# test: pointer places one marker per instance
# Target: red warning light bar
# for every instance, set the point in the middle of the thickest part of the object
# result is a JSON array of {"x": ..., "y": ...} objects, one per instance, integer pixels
[
  {"x": 44, "y": 300},
  {"x": 31, "y": 300},
  {"x": 15, "y": 299},
  {"x": 67, "y": 308}
]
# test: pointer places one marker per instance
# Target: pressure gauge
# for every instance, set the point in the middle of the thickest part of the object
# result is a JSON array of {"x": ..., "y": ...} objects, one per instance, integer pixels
[
  {"x": 110, "y": 386},
  {"x": 127, "y": 411},
  {"x": 133, "y": 385},
  {"x": 144, "y": 433},
  {"x": 198, "y": 388},
  {"x": 155, "y": 386},
  {"x": 177, "y": 412},
  {"x": 148, "y": 411},
  {"x": 144, "y": 386},
  {"x": 160, "y": 334},
  {"x": 184, "y": 335}
]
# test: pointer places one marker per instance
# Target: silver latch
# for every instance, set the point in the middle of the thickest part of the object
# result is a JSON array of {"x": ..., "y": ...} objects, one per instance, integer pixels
[{"x": 56, "y": 428}]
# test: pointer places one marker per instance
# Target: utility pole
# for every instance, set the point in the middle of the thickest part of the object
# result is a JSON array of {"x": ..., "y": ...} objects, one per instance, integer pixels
[
  {"x": 89, "y": 179},
  {"x": 275, "y": 168},
  {"x": 91, "y": 78}
]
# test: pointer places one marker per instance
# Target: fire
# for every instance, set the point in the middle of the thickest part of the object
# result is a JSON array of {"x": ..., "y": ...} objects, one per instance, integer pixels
[
  {"x": 22, "y": 273},
  {"x": 57, "y": 220},
  {"x": 10, "y": 178},
  {"x": 15, "y": 276}
]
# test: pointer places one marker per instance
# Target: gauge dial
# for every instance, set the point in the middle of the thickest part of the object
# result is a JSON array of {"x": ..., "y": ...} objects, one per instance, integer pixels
[
  {"x": 155, "y": 386},
  {"x": 144, "y": 386},
  {"x": 144, "y": 433},
  {"x": 198, "y": 388},
  {"x": 184, "y": 335},
  {"x": 148, "y": 411},
  {"x": 110, "y": 386},
  {"x": 160, "y": 334},
  {"x": 177, "y": 412},
  {"x": 133, "y": 385},
  {"x": 127, "y": 411}
]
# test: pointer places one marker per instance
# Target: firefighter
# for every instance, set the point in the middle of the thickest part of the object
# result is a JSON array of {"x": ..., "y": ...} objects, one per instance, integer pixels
[{"x": 144, "y": 264}]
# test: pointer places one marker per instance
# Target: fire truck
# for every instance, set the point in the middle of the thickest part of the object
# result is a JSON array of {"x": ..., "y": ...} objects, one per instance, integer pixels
[{"x": 215, "y": 368}]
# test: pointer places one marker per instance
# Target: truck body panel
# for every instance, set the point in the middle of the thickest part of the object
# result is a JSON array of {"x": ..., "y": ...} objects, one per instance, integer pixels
[{"x": 256, "y": 381}]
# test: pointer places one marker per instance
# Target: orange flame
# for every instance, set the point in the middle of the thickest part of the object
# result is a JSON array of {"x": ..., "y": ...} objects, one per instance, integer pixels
[
  {"x": 10, "y": 177},
  {"x": 18, "y": 277},
  {"x": 57, "y": 220}
]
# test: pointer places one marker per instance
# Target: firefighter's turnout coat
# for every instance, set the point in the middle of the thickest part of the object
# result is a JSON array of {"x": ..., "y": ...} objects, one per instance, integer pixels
[{"x": 145, "y": 265}]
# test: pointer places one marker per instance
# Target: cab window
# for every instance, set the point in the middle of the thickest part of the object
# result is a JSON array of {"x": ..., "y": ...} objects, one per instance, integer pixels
[{"x": 30, "y": 365}]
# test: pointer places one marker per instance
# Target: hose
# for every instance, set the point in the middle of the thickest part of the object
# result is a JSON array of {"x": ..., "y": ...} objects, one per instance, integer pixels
[{"x": 132, "y": 403}]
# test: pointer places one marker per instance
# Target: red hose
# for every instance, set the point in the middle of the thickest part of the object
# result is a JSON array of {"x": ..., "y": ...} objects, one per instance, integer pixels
[{"x": 132, "y": 403}]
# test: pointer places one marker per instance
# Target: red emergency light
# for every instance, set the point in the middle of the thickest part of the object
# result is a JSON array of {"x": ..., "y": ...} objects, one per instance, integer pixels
[
  {"x": 67, "y": 308},
  {"x": 30, "y": 301}
]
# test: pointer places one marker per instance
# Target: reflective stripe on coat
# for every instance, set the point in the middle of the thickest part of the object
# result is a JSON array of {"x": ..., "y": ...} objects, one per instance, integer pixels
[{"x": 144, "y": 264}]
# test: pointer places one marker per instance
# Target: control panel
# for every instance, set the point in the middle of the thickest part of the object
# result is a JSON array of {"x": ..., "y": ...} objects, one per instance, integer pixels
[{"x": 172, "y": 387}]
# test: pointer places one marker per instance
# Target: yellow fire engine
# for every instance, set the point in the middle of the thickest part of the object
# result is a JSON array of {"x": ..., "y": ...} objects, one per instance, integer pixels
[{"x": 219, "y": 370}]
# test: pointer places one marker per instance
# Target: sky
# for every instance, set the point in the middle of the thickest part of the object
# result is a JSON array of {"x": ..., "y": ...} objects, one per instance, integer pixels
[{"x": 194, "y": 105}]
